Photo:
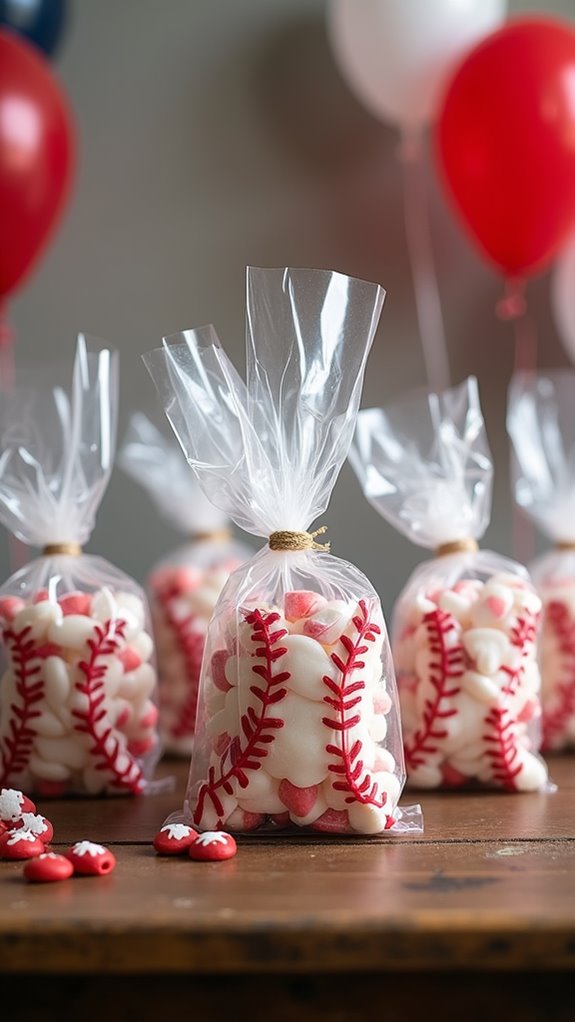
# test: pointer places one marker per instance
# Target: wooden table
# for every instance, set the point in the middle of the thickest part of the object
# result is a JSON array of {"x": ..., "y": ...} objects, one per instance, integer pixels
[{"x": 472, "y": 919}]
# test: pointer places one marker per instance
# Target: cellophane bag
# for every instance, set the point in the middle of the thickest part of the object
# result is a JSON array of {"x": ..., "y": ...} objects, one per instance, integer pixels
[
  {"x": 298, "y": 721},
  {"x": 465, "y": 626},
  {"x": 541, "y": 424},
  {"x": 78, "y": 682},
  {"x": 184, "y": 587}
]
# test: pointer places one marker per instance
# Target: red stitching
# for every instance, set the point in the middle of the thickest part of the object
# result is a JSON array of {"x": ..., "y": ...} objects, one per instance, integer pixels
[
  {"x": 258, "y": 729},
  {"x": 352, "y": 777},
  {"x": 505, "y": 753},
  {"x": 522, "y": 636},
  {"x": 449, "y": 664},
  {"x": 557, "y": 616},
  {"x": 20, "y": 740},
  {"x": 191, "y": 646},
  {"x": 105, "y": 644}
]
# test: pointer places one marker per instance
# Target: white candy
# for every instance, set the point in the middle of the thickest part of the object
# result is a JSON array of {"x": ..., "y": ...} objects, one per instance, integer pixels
[
  {"x": 480, "y": 687},
  {"x": 47, "y": 770},
  {"x": 298, "y": 752},
  {"x": 39, "y": 617},
  {"x": 62, "y": 750},
  {"x": 487, "y": 647},
  {"x": 307, "y": 664},
  {"x": 72, "y": 631},
  {"x": 56, "y": 682}
]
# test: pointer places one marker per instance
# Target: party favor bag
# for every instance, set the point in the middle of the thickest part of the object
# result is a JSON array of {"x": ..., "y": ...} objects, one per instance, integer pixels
[
  {"x": 184, "y": 587},
  {"x": 465, "y": 627},
  {"x": 541, "y": 423},
  {"x": 78, "y": 679},
  {"x": 297, "y": 719}
]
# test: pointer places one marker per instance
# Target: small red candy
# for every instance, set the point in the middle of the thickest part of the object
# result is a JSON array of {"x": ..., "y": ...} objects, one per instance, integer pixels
[
  {"x": 213, "y": 846},
  {"x": 129, "y": 659},
  {"x": 299, "y": 801},
  {"x": 12, "y": 804},
  {"x": 89, "y": 859},
  {"x": 48, "y": 868},
  {"x": 38, "y": 824},
  {"x": 302, "y": 603},
  {"x": 10, "y": 606},
  {"x": 174, "y": 839},
  {"x": 20, "y": 844},
  {"x": 333, "y": 821},
  {"x": 76, "y": 603}
]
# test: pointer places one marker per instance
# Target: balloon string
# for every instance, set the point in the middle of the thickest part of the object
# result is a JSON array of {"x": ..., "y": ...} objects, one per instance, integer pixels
[
  {"x": 16, "y": 550},
  {"x": 512, "y": 307},
  {"x": 420, "y": 250},
  {"x": 6, "y": 354}
]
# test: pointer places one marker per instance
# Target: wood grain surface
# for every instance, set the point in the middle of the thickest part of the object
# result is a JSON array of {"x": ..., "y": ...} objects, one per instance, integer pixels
[{"x": 489, "y": 886}]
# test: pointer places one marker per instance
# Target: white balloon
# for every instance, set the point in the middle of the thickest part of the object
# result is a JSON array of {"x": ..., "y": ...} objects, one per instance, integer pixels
[
  {"x": 563, "y": 297},
  {"x": 397, "y": 55}
]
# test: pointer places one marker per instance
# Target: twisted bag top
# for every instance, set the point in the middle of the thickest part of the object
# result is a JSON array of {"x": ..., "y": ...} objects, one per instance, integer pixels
[
  {"x": 57, "y": 445},
  {"x": 268, "y": 451}
]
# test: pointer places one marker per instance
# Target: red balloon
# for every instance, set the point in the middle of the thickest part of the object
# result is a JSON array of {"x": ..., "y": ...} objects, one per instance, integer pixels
[
  {"x": 36, "y": 157},
  {"x": 506, "y": 142}
]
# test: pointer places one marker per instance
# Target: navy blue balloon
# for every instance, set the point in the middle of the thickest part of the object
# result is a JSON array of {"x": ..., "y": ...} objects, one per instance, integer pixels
[{"x": 41, "y": 22}]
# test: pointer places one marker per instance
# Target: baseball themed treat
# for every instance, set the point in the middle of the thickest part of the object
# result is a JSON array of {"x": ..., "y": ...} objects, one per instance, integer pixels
[
  {"x": 298, "y": 720},
  {"x": 184, "y": 587},
  {"x": 465, "y": 627},
  {"x": 541, "y": 424},
  {"x": 77, "y": 682}
]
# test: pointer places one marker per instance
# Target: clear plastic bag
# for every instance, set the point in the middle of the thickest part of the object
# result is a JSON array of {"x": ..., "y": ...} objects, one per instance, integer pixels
[
  {"x": 77, "y": 710},
  {"x": 184, "y": 587},
  {"x": 465, "y": 626},
  {"x": 541, "y": 424},
  {"x": 297, "y": 721}
]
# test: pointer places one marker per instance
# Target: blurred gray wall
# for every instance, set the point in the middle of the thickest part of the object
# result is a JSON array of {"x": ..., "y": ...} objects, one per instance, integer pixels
[{"x": 217, "y": 134}]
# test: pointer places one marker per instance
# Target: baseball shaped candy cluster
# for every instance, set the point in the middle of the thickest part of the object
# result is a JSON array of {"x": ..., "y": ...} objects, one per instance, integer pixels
[
  {"x": 76, "y": 712},
  {"x": 557, "y": 662},
  {"x": 182, "y": 599},
  {"x": 469, "y": 684},
  {"x": 296, "y": 720}
]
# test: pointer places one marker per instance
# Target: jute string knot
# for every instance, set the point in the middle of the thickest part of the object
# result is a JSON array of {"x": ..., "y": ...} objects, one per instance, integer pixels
[
  {"x": 65, "y": 549},
  {"x": 286, "y": 540},
  {"x": 457, "y": 546}
]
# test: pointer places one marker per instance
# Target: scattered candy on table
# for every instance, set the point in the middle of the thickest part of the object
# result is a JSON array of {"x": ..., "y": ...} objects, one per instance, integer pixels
[
  {"x": 174, "y": 839},
  {"x": 37, "y": 824},
  {"x": 90, "y": 859},
  {"x": 47, "y": 868},
  {"x": 13, "y": 804},
  {"x": 213, "y": 846},
  {"x": 20, "y": 844}
]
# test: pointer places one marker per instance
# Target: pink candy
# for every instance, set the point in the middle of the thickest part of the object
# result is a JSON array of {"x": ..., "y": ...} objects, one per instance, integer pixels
[{"x": 302, "y": 604}]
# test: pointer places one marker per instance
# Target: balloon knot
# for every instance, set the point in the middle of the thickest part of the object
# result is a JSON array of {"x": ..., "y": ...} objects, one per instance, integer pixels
[{"x": 513, "y": 304}]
